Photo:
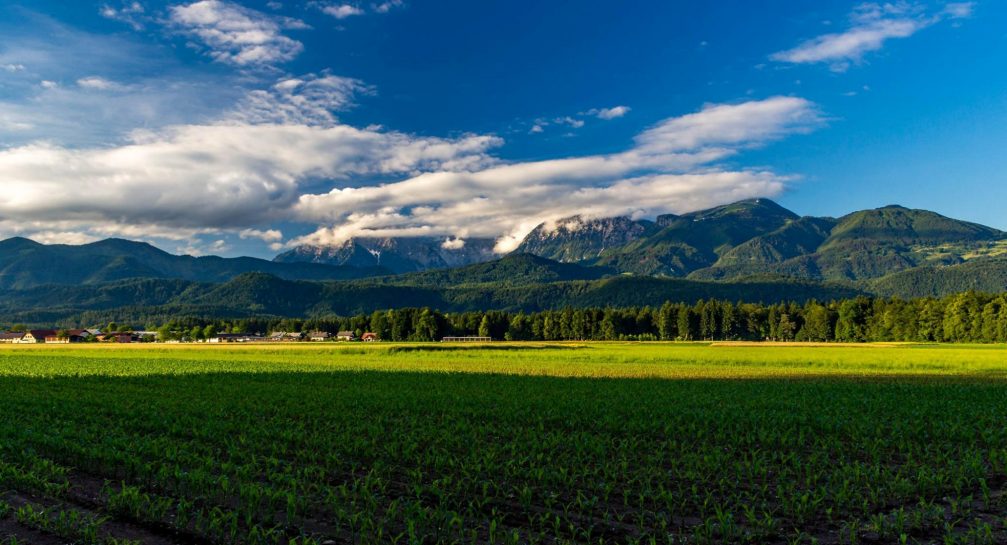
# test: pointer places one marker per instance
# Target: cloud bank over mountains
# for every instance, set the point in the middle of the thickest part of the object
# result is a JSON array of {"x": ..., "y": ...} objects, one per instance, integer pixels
[
  {"x": 274, "y": 151},
  {"x": 248, "y": 170}
]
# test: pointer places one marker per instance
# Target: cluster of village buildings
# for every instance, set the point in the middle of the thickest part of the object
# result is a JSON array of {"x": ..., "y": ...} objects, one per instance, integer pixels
[
  {"x": 53, "y": 336},
  {"x": 68, "y": 336},
  {"x": 282, "y": 336}
]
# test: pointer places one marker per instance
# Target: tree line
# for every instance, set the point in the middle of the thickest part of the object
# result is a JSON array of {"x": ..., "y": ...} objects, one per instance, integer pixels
[{"x": 968, "y": 317}]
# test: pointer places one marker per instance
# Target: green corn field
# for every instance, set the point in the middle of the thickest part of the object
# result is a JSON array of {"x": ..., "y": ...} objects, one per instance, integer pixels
[{"x": 564, "y": 443}]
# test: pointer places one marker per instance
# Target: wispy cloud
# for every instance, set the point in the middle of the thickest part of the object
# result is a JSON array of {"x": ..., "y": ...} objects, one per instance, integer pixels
[
  {"x": 342, "y": 11},
  {"x": 609, "y": 113},
  {"x": 98, "y": 83},
  {"x": 131, "y": 13},
  {"x": 307, "y": 100},
  {"x": 577, "y": 121},
  {"x": 871, "y": 25},
  {"x": 388, "y": 5},
  {"x": 85, "y": 88},
  {"x": 234, "y": 34}
]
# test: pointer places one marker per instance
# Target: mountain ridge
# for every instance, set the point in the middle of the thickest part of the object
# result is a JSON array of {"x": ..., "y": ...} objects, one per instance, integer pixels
[
  {"x": 758, "y": 236},
  {"x": 398, "y": 255},
  {"x": 27, "y": 264},
  {"x": 752, "y": 250}
]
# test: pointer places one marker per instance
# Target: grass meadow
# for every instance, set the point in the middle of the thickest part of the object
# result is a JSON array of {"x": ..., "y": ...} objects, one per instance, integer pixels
[{"x": 505, "y": 443}]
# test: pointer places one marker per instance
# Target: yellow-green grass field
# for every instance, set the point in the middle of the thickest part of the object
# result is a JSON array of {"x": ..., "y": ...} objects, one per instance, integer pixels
[
  {"x": 503, "y": 443},
  {"x": 561, "y": 359}
]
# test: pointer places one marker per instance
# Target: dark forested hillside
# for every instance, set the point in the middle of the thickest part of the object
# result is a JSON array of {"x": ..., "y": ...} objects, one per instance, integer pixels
[
  {"x": 258, "y": 294},
  {"x": 985, "y": 275},
  {"x": 27, "y": 264}
]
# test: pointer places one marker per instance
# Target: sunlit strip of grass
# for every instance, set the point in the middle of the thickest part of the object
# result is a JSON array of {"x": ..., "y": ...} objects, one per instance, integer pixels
[{"x": 600, "y": 360}]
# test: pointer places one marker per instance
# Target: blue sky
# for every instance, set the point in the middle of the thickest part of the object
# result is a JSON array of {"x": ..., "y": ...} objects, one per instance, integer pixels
[{"x": 251, "y": 127}]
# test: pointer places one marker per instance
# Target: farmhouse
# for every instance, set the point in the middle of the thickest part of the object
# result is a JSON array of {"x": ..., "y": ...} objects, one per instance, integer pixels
[
  {"x": 121, "y": 338},
  {"x": 10, "y": 338},
  {"x": 319, "y": 336},
  {"x": 283, "y": 336},
  {"x": 36, "y": 336},
  {"x": 69, "y": 336},
  {"x": 369, "y": 337},
  {"x": 346, "y": 336},
  {"x": 226, "y": 338}
]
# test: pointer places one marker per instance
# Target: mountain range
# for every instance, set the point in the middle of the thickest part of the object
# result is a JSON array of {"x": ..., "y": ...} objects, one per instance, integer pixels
[
  {"x": 760, "y": 237},
  {"x": 397, "y": 255},
  {"x": 738, "y": 240},
  {"x": 750, "y": 250},
  {"x": 28, "y": 264}
]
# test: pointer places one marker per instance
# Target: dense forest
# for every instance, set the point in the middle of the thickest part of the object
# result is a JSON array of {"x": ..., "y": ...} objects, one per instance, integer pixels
[{"x": 966, "y": 317}]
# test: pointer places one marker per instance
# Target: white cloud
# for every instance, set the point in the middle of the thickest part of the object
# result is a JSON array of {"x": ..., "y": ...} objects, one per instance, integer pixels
[
  {"x": 540, "y": 124},
  {"x": 11, "y": 67},
  {"x": 453, "y": 244},
  {"x": 959, "y": 10},
  {"x": 572, "y": 122},
  {"x": 48, "y": 84},
  {"x": 131, "y": 13},
  {"x": 97, "y": 83},
  {"x": 385, "y": 7},
  {"x": 208, "y": 178},
  {"x": 577, "y": 122},
  {"x": 668, "y": 170},
  {"x": 342, "y": 11},
  {"x": 238, "y": 35},
  {"x": 609, "y": 113},
  {"x": 307, "y": 100},
  {"x": 731, "y": 125},
  {"x": 872, "y": 25},
  {"x": 233, "y": 176},
  {"x": 268, "y": 235}
]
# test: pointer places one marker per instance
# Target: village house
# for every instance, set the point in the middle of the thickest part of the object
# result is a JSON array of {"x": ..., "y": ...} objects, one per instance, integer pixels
[
  {"x": 283, "y": 336},
  {"x": 36, "y": 336},
  {"x": 121, "y": 338},
  {"x": 226, "y": 338},
  {"x": 346, "y": 336},
  {"x": 10, "y": 338},
  {"x": 69, "y": 336},
  {"x": 320, "y": 336},
  {"x": 369, "y": 337}
]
